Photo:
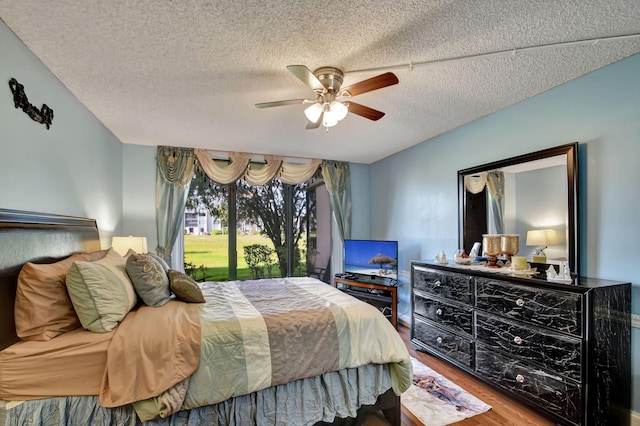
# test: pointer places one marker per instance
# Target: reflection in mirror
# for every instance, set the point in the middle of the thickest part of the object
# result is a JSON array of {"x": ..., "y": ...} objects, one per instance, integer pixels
[{"x": 532, "y": 196}]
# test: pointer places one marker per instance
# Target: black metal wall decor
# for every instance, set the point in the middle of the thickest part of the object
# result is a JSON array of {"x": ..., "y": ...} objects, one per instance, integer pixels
[{"x": 42, "y": 115}]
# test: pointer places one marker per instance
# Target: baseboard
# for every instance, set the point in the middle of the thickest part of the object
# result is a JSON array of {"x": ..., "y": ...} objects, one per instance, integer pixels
[{"x": 635, "y": 418}]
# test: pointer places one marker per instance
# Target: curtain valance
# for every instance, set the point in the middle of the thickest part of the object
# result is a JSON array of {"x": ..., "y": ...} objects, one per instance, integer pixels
[
  {"x": 223, "y": 173},
  {"x": 239, "y": 166},
  {"x": 475, "y": 183},
  {"x": 175, "y": 165},
  {"x": 257, "y": 176},
  {"x": 293, "y": 173}
]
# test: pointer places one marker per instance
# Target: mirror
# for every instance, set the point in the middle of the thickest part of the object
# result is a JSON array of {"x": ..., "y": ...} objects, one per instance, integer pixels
[{"x": 532, "y": 192}]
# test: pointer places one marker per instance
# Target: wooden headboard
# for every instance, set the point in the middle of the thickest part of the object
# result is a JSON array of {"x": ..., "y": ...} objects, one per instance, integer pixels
[{"x": 39, "y": 238}]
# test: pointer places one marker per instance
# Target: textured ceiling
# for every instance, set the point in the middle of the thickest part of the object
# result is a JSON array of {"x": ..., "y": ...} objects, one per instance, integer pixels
[{"x": 188, "y": 73}]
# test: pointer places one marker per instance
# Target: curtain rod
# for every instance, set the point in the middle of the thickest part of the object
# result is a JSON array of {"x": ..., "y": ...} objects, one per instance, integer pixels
[{"x": 258, "y": 158}]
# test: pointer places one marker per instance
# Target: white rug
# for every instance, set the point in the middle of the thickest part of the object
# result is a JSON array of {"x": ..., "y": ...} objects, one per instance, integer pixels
[{"x": 437, "y": 401}]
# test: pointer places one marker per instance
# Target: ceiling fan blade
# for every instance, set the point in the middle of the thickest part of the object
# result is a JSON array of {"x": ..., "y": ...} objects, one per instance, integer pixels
[
  {"x": 366, "y": 112},
  {"x": 373, "y": 83},
  {"x": 306, "y": 76},
  {"x": 280, "y": 103}
]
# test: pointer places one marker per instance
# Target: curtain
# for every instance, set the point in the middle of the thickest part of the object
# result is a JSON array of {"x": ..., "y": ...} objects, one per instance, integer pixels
[
  {"x": 294, "y": 174},
  {"x": 495, "y": 184},
  {"x": 240, "y": 166},
  {"x": 337, "y": 179},
  {"x": 475, "y": 183},
  {"x": 175, "y": 168},
  {"x": 255, "y": 175},
  {"x": 223, "y": 173}
]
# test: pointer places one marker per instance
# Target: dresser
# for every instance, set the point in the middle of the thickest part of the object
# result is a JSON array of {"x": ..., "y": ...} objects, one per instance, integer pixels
[{"x": 564, "y": 349}]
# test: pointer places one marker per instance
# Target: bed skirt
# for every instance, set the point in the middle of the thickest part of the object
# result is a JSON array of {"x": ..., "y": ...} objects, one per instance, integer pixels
[{"x": 303, "y": 402}]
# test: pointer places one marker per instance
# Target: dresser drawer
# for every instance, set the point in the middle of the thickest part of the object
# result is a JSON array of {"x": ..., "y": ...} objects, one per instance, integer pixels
[
  {"x": 559, "y": 310},
  {"x": 444, "y": 342},
  {"x": 554, "y": 351},
  {"x": 448, "y": 285},
  {"x": 454, "y": 317},
  {"x": 544, "y": 388}
]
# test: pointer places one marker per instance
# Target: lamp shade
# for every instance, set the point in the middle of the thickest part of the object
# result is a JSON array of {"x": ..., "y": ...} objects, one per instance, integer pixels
[
  {"x": 123, "y": 244},
  {"x": 313, "y": 112},
  {"x": 328, "y": 121},
  {"x": 541, "y": 237},
  {"x": 339, "y": 110}
]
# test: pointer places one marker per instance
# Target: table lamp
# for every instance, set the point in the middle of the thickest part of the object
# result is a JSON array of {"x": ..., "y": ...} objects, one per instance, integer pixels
[
  {"x": 540, "y": 238},
  {"x": 123, "y": 244}
]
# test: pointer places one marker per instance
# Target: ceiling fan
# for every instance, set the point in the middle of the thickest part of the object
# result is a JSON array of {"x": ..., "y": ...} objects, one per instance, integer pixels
[{"x": 332, "y": 103}]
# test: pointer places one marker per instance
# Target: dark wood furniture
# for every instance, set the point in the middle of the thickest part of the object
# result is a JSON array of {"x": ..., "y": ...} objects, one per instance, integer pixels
[
  {"x": 564, "y": 349},
  {"x": 472, "y": 214},
  {"x": 40, "y": 238},
  {"x": 384, "y": 297},
  {"x": 47, "y": 238}
]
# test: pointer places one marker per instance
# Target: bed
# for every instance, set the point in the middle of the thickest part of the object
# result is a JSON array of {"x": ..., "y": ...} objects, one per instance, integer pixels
[{"x": 259, "y": 381}]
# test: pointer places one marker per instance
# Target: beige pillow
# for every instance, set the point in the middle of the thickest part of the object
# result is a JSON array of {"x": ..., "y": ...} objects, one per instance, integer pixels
[
  {"x": 184, "y": 287},
  {"x": 43, "y": 309},
  {"x": 101, "y": 292}
]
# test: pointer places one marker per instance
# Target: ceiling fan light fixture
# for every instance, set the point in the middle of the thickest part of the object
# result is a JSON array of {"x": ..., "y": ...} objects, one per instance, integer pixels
[
  {"x": 313, "y": 112},
  {"x": 333, "y": 112},
  {"x": 326, "y": 83},
  {"x": 338, "y": 110},
  {"x": 328, "y": 120}
]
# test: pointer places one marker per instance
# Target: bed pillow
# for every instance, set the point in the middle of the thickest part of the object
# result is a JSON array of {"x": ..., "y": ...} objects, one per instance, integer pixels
[
  {"x": 161, "y": 261},
  {"x": 184, "y": 287},
  {"x": 101, "y": 292},
  {"x": 149, "y": 279},
  {"x": 43, "y": 309}
]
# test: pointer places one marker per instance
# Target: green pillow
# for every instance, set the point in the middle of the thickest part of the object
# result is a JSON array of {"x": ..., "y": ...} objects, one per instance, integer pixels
[
  {"x": 101, "y": 292},
  {"x": 185, "y": 288},
  {"x": 149, "y": 279}
]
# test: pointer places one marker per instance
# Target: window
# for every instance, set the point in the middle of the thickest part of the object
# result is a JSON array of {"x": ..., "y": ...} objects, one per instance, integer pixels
[{"x": 252, "y": 231}]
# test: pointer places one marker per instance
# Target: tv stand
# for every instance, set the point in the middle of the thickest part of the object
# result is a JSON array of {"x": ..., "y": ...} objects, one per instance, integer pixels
[{"x": 383, "y": 296}]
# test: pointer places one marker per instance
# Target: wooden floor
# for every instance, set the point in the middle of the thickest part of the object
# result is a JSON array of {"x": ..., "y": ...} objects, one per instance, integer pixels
[{"x": 505, "y": 410}]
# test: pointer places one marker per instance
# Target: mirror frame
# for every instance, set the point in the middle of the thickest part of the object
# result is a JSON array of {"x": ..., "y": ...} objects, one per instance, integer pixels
[{"x": 571, "y": 151}]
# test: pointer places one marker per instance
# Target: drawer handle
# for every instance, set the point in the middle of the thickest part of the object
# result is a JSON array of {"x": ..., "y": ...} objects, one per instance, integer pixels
[
  {"x": 520, "y": 302},
  {"x": 439, "y": 311},
  {"x": 520, "y": 378},
  {"x": 437, "y": 283},
  {"x": 439, "y": 339},
  {"x": 517, "y": 340}
]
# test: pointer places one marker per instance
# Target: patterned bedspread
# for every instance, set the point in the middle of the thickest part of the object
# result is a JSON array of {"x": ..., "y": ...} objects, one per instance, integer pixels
[
  {"x": 258, "y": 334},
  {"x": 252, "y": 336}
]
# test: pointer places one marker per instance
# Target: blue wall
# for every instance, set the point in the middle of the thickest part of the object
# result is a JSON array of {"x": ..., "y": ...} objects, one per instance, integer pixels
[
  {"x": 139, "y": 192},
  {"x": 415, "y": 196},
  {"x": 75, "y": 167}
]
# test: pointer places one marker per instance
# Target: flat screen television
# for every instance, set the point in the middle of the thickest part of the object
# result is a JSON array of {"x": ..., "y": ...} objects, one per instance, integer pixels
[{"x": 372, "y": 258}]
